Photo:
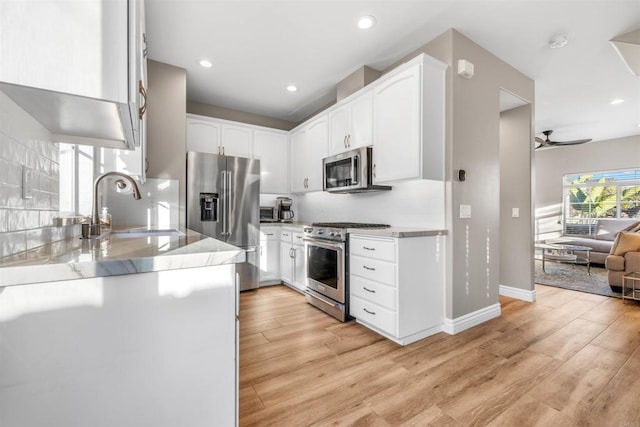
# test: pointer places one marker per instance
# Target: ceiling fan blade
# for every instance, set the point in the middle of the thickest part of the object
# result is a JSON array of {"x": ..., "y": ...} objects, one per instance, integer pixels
[
  {"x": 574, "y": 142},
  {"x": 540, "y": 140}
]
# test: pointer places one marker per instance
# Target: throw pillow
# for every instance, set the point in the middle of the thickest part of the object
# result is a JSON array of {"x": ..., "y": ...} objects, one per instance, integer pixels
[
  {"x": 634, "y": 228},
  {"x": 626, "y": 242}
]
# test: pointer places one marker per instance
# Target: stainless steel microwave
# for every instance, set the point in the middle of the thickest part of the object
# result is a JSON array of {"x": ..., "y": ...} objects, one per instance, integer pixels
[{"x": 350, "y": 172}]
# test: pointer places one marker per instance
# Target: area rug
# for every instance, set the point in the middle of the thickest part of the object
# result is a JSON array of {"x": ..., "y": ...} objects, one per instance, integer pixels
[{"x": 568, "y": 276}]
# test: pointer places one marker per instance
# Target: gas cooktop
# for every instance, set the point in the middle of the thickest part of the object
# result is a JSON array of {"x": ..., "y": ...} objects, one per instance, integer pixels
[{"x": 349, "y": 225}]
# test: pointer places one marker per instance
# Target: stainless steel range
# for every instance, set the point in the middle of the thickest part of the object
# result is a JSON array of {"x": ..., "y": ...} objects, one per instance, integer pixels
[{"x": 326, "y": 248}]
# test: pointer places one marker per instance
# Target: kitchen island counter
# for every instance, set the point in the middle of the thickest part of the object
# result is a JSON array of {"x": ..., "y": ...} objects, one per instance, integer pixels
[{"x": 114, "y": 255}]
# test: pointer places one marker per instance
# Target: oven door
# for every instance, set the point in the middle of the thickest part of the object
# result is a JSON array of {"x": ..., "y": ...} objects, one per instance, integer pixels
[{"x": 325, "y": 268}]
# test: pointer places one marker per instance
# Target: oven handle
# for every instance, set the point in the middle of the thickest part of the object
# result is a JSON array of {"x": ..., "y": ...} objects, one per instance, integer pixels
[{"x": 325, "y": 244}]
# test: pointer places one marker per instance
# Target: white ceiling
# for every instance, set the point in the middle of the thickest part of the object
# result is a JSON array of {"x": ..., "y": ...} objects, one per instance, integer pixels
[{"x": 259, "y": 47}]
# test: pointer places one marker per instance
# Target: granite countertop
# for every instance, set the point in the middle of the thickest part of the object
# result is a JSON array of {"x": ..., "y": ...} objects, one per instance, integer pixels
[{"x": 116, "y": 254}]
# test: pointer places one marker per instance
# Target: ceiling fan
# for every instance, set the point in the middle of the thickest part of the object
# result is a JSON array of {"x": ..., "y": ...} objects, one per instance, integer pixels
[{"x": 545, "y": 142}]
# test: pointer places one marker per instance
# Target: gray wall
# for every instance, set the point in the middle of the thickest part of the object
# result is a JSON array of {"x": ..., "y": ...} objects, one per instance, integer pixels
[
  {"x": 473, "y": 144},
  {"x": 515, "y": 172},
  {"x": 238, "y": 116},
  {"x": 166, "y": 126},
  {"x": 552, "y": 163}
]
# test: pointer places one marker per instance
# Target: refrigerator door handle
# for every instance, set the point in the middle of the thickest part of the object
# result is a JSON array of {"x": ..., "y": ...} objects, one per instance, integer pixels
[
  {"x": 229, "y": 192},
  {"x": 225, "y": 200}
]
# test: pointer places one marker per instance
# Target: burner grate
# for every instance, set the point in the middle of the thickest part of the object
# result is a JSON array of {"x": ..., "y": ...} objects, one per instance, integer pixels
[{"x": 349, "y": 225}]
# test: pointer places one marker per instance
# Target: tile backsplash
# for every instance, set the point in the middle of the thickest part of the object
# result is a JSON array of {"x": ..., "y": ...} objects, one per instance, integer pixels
[{"x": 27, "y": 223}]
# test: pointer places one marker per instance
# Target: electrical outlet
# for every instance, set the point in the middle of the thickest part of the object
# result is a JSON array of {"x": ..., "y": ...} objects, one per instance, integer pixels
[{"x": 27, "y": 182}]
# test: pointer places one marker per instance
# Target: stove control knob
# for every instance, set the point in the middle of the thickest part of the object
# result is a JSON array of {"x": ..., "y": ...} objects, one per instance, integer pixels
[
  {"x": 338, "y": 235},
  {"x": 321, "y": 231},
  {"x": 332, "y": 234},
  {"x": 308, "y": 229}
]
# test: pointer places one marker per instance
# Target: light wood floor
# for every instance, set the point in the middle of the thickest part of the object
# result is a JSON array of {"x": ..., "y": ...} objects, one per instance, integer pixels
[{"x": 568, "y": 359}]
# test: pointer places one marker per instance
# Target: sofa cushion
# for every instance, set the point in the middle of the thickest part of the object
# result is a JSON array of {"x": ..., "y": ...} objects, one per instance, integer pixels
[
  {"x": 614, "y": 262},
  {"x": 626, "y": 242},
  {"x": 606, "y": 229}
]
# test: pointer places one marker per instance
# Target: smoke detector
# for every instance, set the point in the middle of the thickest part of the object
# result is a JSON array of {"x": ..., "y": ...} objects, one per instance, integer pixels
[{"x": 558, "y": 41}]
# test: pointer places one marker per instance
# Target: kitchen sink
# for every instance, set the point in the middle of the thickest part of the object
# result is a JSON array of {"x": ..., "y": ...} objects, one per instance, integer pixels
[{"x": 143, "y": 232}]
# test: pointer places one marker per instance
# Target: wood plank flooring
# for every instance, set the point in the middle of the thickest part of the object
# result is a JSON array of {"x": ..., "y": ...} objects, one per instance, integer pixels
[{"x": 569, "y": 359}]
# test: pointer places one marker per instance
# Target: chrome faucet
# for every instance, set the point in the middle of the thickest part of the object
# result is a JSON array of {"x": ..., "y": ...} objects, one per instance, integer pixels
[{"x": 95, "y": 218}]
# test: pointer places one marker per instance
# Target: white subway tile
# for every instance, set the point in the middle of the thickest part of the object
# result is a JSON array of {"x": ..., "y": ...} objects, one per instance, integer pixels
[{"x": 12, "y": 243}]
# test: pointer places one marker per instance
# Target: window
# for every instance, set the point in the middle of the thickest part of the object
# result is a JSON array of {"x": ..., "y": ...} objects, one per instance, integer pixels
[
  {"x": 76, "y": 179},
  {"x": 593, "y": 195}
]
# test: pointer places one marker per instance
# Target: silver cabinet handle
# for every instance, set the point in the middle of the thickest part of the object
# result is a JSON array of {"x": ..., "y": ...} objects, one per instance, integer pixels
[
  {"x": 369, "y": 290},
  {"x": 348, "y": 140},
  {"x": 368, "y": 249},
  {"x": 369, "y": 268},
  {"x": 344, "y": 141},
  {"x": 373, "y": 171},
  {"x": 370, "y": 312}
]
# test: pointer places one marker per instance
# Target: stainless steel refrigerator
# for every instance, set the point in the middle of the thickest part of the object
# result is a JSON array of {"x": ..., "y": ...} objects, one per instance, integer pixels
[{"x": 223, "y": 201}]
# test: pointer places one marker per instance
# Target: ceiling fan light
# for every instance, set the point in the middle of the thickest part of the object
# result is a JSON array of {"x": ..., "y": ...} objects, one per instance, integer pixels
[{"x": 558, "y": 41}]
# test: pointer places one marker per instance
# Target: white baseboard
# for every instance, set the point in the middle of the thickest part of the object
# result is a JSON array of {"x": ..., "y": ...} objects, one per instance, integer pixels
[
  {"x": 517, "y": 293},
  {"x": 462, "y": 323}
]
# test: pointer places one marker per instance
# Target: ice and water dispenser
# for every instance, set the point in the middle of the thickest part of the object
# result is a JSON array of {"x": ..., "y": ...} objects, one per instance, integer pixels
[{"x": 209, "y": 207}]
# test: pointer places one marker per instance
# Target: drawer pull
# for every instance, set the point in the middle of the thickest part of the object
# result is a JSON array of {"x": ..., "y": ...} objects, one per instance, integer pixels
[
  {"x": 369, "y": 290},
  {"x": 368, "y": 249},
  {"x": 370, "y": 312},
  {"x": 368, "y": 268}
]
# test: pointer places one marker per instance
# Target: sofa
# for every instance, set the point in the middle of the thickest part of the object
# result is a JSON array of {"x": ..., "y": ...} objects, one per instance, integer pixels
[
  {"x": 602, "y": 240},
  {"x": 624, "y": 258}
]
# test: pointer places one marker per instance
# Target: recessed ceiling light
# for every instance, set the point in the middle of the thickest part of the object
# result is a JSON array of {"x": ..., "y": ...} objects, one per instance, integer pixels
[
  {"x": 617, "y": 101},
  {"x": 366, "y": 22},
  {"x": 206, "y": 63},
  {"x": 292, "y": 88},
  {"x": 558, "y": 41}
]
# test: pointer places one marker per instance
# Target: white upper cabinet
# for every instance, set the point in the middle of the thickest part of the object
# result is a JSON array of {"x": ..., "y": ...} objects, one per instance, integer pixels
[
  {"x": 75, "y": 67},
  {"x": 134, "y": 162},
  {"x": 308, "y": 147},
  {"x": 317, "y": 138},
  {"x": 203, "y": 135},
  {"x": 299, "y": 161},
  {"x": 351, "y": 125},
  {"x": 271, "y": 147},
  {"x": 235, "y": 140},
  {"x": 409, "y": 122}
]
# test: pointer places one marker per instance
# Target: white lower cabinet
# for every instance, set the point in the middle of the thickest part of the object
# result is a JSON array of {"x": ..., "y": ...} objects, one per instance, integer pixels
[
  {"x": 148, "y": 349},
  {"x": 269, "y": 255},
  {"x": 293, "y": 267},
  {"x": 397, "y": 285}
]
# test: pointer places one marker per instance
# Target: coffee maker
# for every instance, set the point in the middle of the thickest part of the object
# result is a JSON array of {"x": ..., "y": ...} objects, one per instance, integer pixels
[{"x": 283, "y": 209}]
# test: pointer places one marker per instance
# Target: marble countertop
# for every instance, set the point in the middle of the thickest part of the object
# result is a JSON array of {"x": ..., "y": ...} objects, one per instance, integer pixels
[{"x": 116, "y": 254}]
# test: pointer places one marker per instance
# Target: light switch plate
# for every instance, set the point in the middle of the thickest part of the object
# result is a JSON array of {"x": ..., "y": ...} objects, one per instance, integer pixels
[
  {"x": 465, "y": 211},
  {"x": 27, "y": 182},
  {"x": 515, "y": 212}
]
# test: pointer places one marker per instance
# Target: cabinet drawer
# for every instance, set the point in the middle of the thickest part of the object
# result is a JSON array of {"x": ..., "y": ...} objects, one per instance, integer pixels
[
  {"x": 374, "y": 315},
  {"x": 380, "y": 271},
  {"x": 298, "y": 238},
  {"x": 373, "y": 291},
  {"x": 271, "y": 233},
  {"x": 286, "y": 236},
  {"x": 373, "y": 248}
]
